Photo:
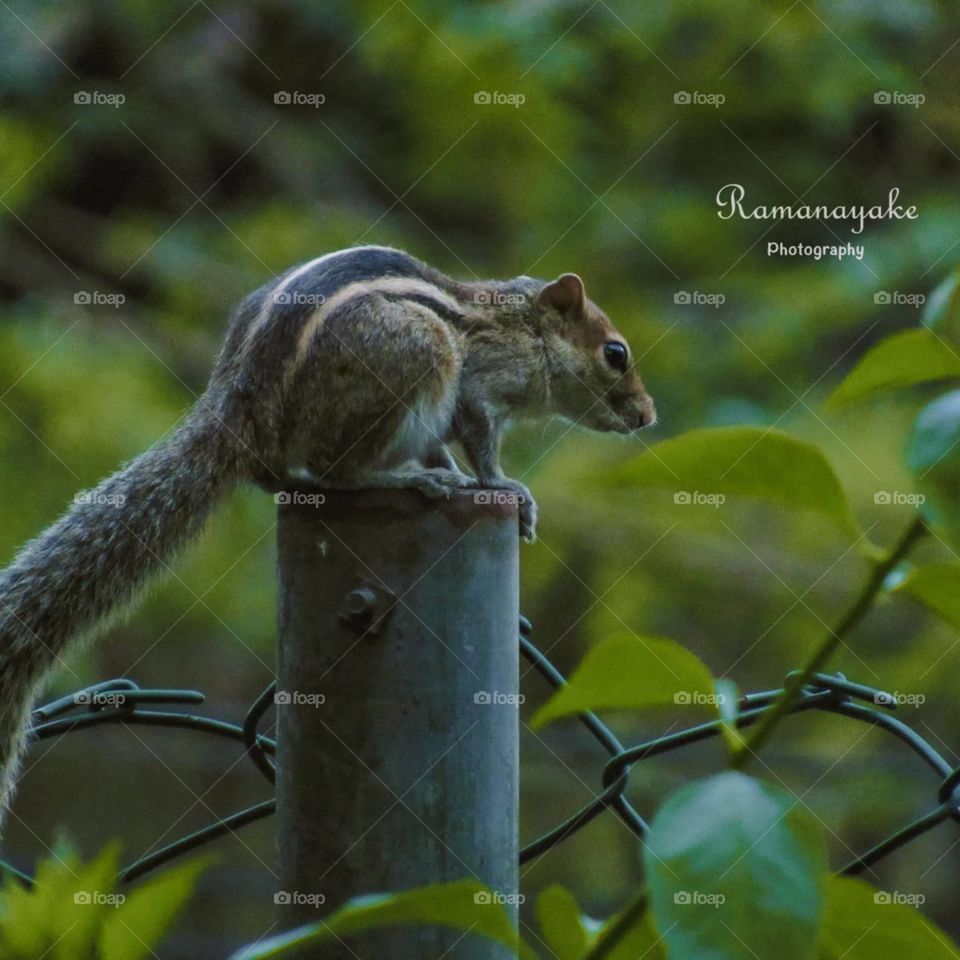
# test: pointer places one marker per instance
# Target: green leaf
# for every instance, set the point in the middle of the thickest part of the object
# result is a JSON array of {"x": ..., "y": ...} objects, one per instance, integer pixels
[
  {"x": 60, "y": 917},
  {"x": 96, "y": 881},
  {"x": 745, "y": 462},
  {"x": 561, "y": 925},
  {"x": 132, "y": 931},
  {"x": 569, "y": 934},
  {"x": 640, "y": 941},
  {"x": 463, "y": 905},
  {"x": 933, "y": 454},
  {"x": 940, "y": 312},
  {"x": 861, "y": 923},
  {"x": 735, "y": 868},
  {"x": 906, "y": 358},
  {"x": 937, "y": 587},
  {"x": 629, "y": 672}
]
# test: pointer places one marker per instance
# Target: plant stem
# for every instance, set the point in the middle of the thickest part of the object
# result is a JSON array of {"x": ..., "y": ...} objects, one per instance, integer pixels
[
  {"x": 828, "y": 645},
  {"x": 619, "y": 928}
]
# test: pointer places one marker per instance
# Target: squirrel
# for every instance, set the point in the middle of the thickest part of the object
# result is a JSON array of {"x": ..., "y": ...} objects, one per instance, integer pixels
[{"x": 355, "y": 370}]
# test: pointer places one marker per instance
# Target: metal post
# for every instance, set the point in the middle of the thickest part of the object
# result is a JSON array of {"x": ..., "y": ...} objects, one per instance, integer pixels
[{"x": 397, "y": 754}]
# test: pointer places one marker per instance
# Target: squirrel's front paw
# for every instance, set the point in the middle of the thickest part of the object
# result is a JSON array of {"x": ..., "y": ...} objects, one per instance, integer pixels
[{"x": 526, "y": 506}]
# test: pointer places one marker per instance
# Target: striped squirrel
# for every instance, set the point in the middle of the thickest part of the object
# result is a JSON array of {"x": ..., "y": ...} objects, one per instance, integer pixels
[{"x": 355, "y": 370}]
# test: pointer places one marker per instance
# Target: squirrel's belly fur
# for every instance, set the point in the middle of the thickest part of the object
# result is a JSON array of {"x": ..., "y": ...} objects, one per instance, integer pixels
[{"x": 345, "y": 368}]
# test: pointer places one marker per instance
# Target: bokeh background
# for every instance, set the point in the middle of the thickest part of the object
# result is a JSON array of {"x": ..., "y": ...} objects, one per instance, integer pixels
[{"x": 199, "y": 187}]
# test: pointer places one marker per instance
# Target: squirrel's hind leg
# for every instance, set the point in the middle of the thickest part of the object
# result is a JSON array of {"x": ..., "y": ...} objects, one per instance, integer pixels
[
  {"x": 385, "y": 376},
  {"x": 440, "y": 456}
]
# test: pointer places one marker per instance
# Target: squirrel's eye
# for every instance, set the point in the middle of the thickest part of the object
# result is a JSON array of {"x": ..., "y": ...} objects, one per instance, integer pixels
[{"x": 615, "y": 353}]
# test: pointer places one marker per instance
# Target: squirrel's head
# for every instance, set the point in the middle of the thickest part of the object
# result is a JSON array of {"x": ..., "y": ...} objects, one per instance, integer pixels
[{"x": 594, "y": 381}]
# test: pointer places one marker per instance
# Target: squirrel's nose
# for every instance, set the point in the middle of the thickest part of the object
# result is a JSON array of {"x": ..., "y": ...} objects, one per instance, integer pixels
[{"x": 647, "y": 416}]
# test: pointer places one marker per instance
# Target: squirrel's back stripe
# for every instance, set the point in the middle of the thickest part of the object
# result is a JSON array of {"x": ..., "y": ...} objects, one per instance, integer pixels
[
  {"x": 453, "y": 315},
  {"x": 427, "y": 294},
  {"x": 298, "y": 292}
]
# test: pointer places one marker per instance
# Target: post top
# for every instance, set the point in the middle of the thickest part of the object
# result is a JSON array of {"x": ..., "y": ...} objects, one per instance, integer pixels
[{"x": 466, "y": 506}]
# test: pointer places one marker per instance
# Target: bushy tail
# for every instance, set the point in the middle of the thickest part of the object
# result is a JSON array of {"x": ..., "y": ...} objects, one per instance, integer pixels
[{"x": 97, "y": 556}]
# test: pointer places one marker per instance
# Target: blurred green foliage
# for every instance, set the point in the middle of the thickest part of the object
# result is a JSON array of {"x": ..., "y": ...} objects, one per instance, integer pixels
[
  {"x": 199, "y": 187},
  {"x": 75, "y": 912}
]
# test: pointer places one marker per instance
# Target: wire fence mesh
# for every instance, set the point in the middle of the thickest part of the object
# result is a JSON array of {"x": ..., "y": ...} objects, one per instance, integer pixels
[{"x": 122, "y": 701}]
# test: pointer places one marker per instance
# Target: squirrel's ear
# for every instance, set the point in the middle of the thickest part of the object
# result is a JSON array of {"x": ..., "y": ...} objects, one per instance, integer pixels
[{"x": 565, "y": 294}]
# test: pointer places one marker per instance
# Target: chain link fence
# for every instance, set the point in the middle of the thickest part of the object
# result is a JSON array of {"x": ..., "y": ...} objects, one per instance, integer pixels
[{"x": 122, "y": 701}]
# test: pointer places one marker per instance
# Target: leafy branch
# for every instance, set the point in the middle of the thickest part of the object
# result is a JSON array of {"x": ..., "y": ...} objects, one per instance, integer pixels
[{"x": 854, "y": 614}]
